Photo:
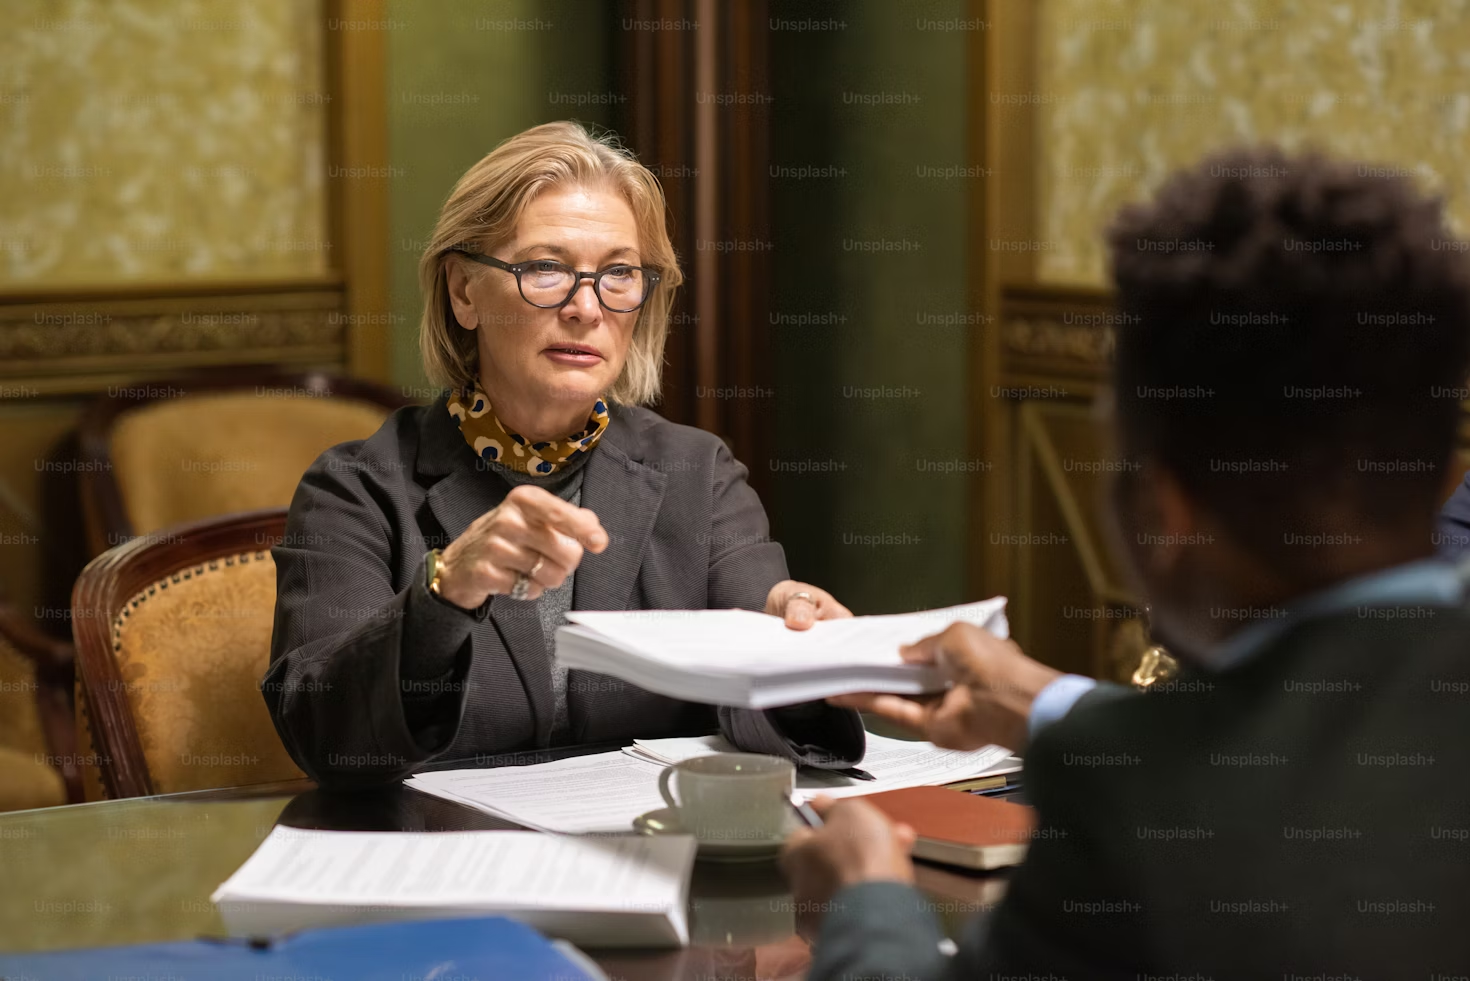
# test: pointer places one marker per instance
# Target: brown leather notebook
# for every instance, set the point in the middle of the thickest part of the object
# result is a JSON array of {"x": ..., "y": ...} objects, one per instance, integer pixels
[{"x": 961, "y": 829}]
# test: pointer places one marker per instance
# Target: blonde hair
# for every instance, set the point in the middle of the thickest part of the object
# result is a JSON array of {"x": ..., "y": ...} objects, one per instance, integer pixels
[{"x": 486, "y": 205}]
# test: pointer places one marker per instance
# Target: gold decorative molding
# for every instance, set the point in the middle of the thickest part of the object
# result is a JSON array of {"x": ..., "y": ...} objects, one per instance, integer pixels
[
  {"x": 1061, "y": 331},
  {"x": 1049, "y": 337},
  {"x": 66, "y": 344}
]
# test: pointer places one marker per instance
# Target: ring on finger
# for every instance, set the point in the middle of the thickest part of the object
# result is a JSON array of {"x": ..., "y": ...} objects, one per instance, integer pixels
[
  {"x": 522, "y": 586},
  {"x": 540, "y": 561},
  {"x": 802, "y": 594}
]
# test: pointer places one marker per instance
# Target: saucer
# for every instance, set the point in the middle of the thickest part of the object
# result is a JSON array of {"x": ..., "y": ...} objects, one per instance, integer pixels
[{"x": 665, "y": 821}]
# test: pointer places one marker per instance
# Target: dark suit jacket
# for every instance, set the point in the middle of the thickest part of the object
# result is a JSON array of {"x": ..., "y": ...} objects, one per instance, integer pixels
[
  {"x": 372, "y": 677},
  {"x": 1304, "y": 814}
]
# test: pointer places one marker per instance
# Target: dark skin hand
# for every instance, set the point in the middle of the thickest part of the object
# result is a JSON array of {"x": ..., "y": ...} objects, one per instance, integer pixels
[
  {"x": 994, "y": 684},
  {"x": 858, "y": 843}
]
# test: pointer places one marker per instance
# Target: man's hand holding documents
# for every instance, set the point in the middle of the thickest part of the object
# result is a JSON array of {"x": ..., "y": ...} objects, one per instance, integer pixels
[{"x": 751, "y": 660}]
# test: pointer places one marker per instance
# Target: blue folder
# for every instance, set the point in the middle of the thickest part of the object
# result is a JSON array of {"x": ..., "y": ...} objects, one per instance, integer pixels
[{"x": 485, "y": 948}]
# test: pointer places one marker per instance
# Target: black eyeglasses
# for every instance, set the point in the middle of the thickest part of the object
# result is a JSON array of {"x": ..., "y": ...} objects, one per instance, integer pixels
[{"x": 546, "y": 283}]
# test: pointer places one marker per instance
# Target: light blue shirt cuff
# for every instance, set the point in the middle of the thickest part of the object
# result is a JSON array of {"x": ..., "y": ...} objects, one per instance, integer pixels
[{"x": 1056, "y": 700}]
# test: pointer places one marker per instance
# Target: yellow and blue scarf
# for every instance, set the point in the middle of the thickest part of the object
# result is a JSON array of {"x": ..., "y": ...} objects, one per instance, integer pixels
[{"x": 490, "y": 440}]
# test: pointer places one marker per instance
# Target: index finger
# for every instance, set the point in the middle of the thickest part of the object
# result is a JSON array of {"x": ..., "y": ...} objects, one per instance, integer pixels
[
  {"x": 860, "y": 700},
  {"x": 544, "y": 508}
]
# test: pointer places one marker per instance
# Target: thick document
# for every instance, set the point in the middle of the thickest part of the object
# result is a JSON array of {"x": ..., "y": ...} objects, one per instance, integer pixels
[
  {"x": 595, "y": 892},
  {"x": 486, "y": 948},
  {"x": 752, "y": 660}
]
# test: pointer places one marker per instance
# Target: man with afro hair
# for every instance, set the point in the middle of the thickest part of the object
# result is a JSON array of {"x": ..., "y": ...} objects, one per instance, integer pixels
[{"x": 1291, "y": 360}]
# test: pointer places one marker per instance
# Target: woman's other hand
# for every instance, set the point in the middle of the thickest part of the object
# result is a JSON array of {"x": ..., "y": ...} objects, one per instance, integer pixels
[
  {"x": 531, "y": 532},
  {"x": 801, "y": 604}
]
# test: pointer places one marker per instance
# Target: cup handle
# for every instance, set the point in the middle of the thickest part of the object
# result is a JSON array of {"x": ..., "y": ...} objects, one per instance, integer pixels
[{"x": 663, "y": 786}]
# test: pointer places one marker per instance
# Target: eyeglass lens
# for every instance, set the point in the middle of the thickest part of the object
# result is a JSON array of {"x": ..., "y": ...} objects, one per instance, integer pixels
[{"x": 620, "y": 288}]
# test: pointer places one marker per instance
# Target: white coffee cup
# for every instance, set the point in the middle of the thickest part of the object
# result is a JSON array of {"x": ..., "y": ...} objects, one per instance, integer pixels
[{"x": 731, "y": 797}]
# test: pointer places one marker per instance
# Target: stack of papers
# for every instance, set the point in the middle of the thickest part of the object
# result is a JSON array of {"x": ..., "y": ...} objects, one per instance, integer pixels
[
  {"x": 603, "y": 793},
  {"x": 596, "y": 892},
  {"x": 752, "y": 660}
]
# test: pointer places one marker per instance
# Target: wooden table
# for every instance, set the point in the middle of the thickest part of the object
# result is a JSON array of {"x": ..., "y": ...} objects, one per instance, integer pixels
[{"x": 142, "y": 870}]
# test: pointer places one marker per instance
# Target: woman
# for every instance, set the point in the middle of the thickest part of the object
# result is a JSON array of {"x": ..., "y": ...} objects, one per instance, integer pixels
[{"x": 425, "y": 568}]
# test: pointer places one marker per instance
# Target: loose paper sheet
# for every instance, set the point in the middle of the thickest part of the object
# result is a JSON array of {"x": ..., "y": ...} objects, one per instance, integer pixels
[
  {"x": 600, "y": 793},
  {"x": 894, "y": 763},
  {"x": 604, "y": 792}
]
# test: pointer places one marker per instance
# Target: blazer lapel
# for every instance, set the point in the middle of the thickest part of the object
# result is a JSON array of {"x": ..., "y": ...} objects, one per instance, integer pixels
[
  {"x": 456, "y": 500},
  {"x": 625, "y": 495}
]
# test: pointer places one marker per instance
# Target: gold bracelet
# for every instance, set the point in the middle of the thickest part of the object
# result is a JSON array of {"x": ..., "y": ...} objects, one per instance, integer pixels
[{"x": 433, "y": 570}]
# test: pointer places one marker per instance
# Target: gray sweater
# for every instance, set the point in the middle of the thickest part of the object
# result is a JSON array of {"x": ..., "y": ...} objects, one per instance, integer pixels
[{"x": 553, "y": 604}]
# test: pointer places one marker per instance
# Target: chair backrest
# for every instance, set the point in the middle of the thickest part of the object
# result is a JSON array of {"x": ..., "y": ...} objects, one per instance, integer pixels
[
  {"x": 213, "y": 443},
  {"x": 173, "y": 634}
]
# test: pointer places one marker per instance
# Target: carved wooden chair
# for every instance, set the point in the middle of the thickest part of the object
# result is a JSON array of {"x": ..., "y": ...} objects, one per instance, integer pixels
[{"x": 173, "y": 634}]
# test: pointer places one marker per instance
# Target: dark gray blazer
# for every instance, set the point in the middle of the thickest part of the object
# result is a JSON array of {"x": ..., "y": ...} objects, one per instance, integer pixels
[{"x": 373, "y": 678}]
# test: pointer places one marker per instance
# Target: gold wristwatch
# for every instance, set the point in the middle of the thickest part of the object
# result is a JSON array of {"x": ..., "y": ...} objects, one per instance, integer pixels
[{"x": 431, "y": 571}]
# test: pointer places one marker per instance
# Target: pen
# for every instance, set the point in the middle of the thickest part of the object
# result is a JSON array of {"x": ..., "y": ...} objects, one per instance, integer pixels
[
  {"x": 805, "y": 812},
  {"x": 856, "y": 774},
  {"x": 1005, "y": 791}
]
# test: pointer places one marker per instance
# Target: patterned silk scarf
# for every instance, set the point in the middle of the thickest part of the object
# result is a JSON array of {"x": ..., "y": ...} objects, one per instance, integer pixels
[{"x": 492, "y": 441}]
